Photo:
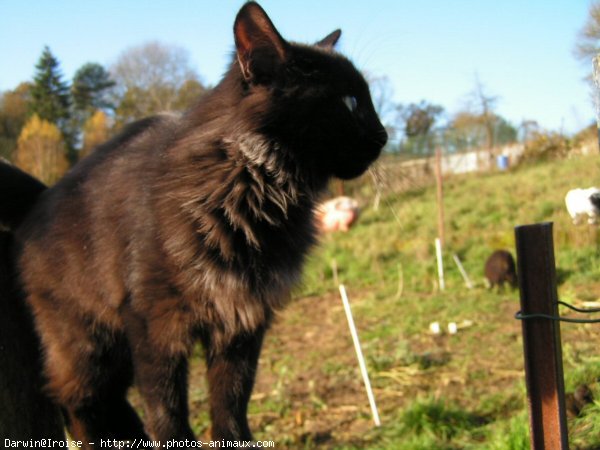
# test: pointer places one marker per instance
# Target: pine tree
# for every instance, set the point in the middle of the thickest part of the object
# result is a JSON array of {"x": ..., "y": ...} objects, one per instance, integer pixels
[
  {"x": 90, "y": 87},
  {"x": 51, "y": 96},
  {"x": 91, "y": 90}
]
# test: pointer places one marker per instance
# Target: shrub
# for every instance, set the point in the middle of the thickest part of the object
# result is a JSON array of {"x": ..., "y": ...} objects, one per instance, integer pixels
[{"x": 545, "y": 146}]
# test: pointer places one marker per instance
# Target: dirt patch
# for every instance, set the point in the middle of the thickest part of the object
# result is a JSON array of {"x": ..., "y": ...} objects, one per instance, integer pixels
[{"x": 309, "y": 393}]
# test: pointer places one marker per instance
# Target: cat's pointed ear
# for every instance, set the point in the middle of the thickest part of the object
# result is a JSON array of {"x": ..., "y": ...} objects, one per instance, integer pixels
[
  {"x": 329, "y": 41},
  {"x": 259, "y": 46}
]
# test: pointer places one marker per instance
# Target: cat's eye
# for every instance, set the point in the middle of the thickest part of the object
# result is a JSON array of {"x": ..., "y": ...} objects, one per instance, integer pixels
[{"x": 350, "y": 102}]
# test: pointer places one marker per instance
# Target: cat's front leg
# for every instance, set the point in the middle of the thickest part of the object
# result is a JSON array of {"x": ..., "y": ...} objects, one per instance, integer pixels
[
  {"x": 231, "y": 369},
  {"x": 162, "y": 383},
  {"x": 160, "y": 362}
]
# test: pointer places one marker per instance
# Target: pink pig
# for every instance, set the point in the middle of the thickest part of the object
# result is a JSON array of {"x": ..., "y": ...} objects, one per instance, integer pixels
[{"x": 339, "y": 213}]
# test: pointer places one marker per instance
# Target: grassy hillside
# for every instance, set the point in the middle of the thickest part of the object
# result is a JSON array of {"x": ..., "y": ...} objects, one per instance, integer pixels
[
  {"x": 481, "y": 212},
  {"x": 434, "y": 392}
]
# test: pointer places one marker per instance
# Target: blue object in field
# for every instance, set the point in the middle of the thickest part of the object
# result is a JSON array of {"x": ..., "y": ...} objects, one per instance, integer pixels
[{"x": 502, "y": 162}]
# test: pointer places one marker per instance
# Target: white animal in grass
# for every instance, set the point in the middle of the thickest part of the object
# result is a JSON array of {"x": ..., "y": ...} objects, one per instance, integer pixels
[
  {"x": 339, "y": 213},
  {"x": 582, "y": 203}
]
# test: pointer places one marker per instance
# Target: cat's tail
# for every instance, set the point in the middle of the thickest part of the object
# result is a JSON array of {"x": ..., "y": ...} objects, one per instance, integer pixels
[{"x": 18, "y": 193}]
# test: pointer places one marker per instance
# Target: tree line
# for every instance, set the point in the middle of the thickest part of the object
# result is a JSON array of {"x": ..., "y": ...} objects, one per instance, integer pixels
[
  {"x": 49, "y": 123},
  {"x": 418, "y": 128}
]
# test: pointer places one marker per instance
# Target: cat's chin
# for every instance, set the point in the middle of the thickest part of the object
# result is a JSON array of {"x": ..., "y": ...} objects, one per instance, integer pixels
[
  {"x": 351, "y": 168},
  {"x": 348, "y": 173}
]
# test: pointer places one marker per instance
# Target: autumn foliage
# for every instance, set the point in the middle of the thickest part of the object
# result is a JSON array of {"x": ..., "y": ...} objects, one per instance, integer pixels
[
  {"x": 41, "y": 150},
  {"x": 96, "y": 130}
]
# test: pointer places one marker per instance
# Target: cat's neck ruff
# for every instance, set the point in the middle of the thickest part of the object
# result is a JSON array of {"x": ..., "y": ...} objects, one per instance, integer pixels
[
  {"x": 259, "y": 151},
  {"x": 271, "y": 174}
]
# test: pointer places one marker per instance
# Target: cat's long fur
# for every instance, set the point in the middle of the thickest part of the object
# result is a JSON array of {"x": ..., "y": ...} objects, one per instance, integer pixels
[{"x": 192, "y": 226}]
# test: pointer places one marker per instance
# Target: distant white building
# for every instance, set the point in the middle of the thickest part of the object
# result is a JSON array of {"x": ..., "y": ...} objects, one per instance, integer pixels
[{"x": 479, "y": 160}]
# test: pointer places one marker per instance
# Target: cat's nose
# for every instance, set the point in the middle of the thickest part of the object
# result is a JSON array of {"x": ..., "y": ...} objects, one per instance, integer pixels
[{"x": 381, "y": 137}]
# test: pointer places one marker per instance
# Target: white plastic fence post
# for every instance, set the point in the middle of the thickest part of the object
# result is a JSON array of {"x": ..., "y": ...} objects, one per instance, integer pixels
[
  {"x": 462, "y": 270},
  {"x": 359, "y": 355},
  {"x": 440, "y": 263}
]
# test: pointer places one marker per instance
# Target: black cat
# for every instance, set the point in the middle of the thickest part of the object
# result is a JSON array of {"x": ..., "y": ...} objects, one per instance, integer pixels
[{"x": 185, "y": 227}]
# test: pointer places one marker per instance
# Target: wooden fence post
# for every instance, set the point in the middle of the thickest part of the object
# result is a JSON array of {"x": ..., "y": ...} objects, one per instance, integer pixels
[
  {"x": 596, "y": 78},
  {"x": 541, "y": 337},
  {"x": 25, "y": 412}
]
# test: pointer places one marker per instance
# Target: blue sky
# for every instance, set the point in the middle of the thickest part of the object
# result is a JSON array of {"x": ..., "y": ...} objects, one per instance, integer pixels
[{"x": 521, "y": 50}]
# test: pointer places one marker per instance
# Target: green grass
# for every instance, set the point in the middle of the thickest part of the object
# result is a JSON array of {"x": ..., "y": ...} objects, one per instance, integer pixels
[
  {"x": 453, "y": 392},
  {"x": 396, "y": 243},
  {"x": 511, "y": 434},
  {"x": 481, "y": 212}
]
